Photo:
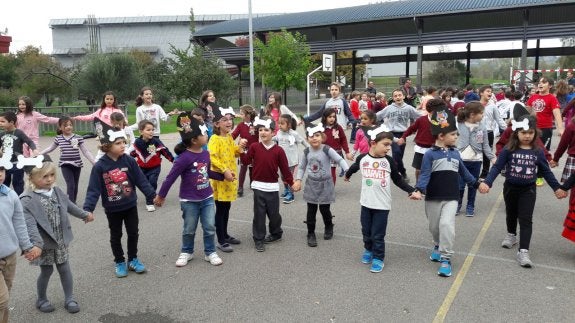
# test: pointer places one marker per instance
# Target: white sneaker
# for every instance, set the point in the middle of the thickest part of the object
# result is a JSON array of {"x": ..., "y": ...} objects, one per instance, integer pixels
[
  {"x": 214, "y": 259},
  {"x": 183, "y": 259},
  {"x": 150, "y": 208},
  {"x": 523, "y": 258},
  {"x": 509, "y": 241}
]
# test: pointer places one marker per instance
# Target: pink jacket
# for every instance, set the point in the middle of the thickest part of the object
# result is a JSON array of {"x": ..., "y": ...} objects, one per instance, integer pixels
[
  {"x": 28, "y": 123},
  {"x": 361, "y": 145},
  {"x": 102, "y": 114}
]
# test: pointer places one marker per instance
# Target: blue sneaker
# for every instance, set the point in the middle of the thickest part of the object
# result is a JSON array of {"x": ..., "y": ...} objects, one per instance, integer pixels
[
  {"x": 289, "y": 198},
  {"x": 121, "y": 269},
  {"x": 435, "y": 254},
  {"x": 284, "y": 194},
  {"x": 366, "y": 257},
  {"x": 376, "y": 265},
  {"x": 137, "y": 266},
  {"x": 444, "y": 268},
  {"x": 470, "y": 211}
]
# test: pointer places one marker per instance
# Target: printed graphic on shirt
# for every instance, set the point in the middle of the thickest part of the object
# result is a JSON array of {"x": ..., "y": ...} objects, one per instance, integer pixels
[
  {"x": 375, "y": 171},
  {"x": 335, "y": 133},
  {"x": 315, "y": 167},
  {"x": 150, "y": 115},
  {"x": 203, "y": 179},
  {"x": 74, "y": 143},
  {"x": 151, "y": 149},
  {"x": 538, "y": 105},
  {"x": 523, "y": 166},
  {"x": 117, "y": 184}
]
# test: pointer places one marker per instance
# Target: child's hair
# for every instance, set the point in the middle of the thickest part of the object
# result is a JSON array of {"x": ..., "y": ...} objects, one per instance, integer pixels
[
  {"x": 547, "y": 80},
  {"x": 379, "y": 96},
  {"x": 514, "y": 142},
  {"x": 115, "y": 104},
  {"x": 460, "y": 95},
  {"x": 216, "y": 127},
  {"x": 62, "y": 123},
  {"x": 396, "y": 90},
  {"x": 249, "y": 111},
  {"x": 355, "y": 93},
  {"x": 29, "y": 105},
  {"x": 9, "y": 116},
  {"x": 382, "y": 135},
  {"x": 430, "y": 90},
  {"x": 142, "y": 124},
  {"x": 517, "y": 95},
  {"x": 198, "y": 112},
  {"x": 140, "y": 98},
  {"x": 277, "y": 103},
  {"x": 107, "y": 146},
  {"x": 118, "y": 117},
  {"x": 204, "y": 97},
  {"x": 290, "y": 120},
  {"x": 326, "y": 113},
  {"x": 485, "y": 87},
  {"x": 47, "y": 167},
  {"x": 470, "y": 107},
  {"x": 435, "y": 105},
  {"x": 336, "y": 84},
  {"x": 370, "y": 115}
]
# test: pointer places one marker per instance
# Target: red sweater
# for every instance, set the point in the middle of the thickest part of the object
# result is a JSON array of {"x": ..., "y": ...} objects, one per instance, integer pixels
[
  {"x": 265, "y": 163},
  {"x": 354, "y": 107},
  {"x": 504, "y": 139},
  {"x": 422, "y": 126},
  {"x": 567, "y": 142},
  {"x": 247, "y": 132},
  {"x": 336, "y": 139}
]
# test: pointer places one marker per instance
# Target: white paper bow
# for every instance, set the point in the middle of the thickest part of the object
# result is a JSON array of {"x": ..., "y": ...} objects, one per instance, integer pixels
[
  {"x": 229, "y": 110},
  {"x": 6, "y": 157},
  {"x": 318, "y": 128},
  {"x": 29, "y": 161},
  {"x": 520, "y": 125},
  {"x": 266, "y": 123},
  {"x": 373, "y": 133},
  {"x": 113, "y": 135},
  {"x": 203, "y": 129}
]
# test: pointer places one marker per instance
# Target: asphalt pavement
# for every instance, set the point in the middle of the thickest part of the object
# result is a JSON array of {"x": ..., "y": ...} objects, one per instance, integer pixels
[{"x": 291, "y": 282}]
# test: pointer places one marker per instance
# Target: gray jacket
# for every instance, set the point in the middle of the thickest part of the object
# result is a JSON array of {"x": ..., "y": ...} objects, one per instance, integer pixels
[
  {"x": 39, "y": 227},
  {"x": 397, "y": 117},
  {"x": 477, "y": 139}
]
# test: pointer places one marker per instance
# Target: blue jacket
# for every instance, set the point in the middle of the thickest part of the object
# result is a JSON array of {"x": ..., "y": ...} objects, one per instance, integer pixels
[
  {"x": 116, "y": 181},
  {"x": 13, "y": 233}
]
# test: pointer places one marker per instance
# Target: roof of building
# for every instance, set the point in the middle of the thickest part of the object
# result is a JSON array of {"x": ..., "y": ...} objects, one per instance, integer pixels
[{"x": 372, "y": 12}]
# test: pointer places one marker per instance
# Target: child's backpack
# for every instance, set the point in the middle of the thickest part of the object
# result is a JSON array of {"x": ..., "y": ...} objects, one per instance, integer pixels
[{"x": 325, "y": 150}]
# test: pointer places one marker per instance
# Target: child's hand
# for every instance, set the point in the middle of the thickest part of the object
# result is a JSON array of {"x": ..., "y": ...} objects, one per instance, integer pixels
[
  {"x": 158, "y": 201},
  {"x": 483, "y": 188},
  {"x": 401, "y": 141},
  {"x": 415, "y": 195},
  {"x": 229, "y": 176},
  {"x": 349, "y": 156},
  {"x": 493, "y": 160},
  {"x": 553, "y": 164},
  {"x": 243, "y": 143},
  {"x": 346, "y": 179},
  {"x": 35, "y": 152},
  {"x": 33, "y": 253},
  {"x": 560, "y": 194},
  {"x": 89, "y": 218},
  {"x": 296, "y": 187}
]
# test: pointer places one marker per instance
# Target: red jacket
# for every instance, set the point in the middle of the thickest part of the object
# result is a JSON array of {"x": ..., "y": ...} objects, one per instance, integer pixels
[
  {"x": 336, "y": 139},
  {"x": 421, "y": 126},
  {"x": 567, "y": 142}
]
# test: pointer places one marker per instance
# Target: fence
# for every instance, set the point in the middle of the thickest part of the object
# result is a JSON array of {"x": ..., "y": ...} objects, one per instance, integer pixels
[{"x": 80, "y": 127}]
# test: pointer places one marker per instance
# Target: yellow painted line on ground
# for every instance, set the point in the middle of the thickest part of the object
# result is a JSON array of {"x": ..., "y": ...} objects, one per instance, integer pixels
[{"x": 450, "y": 297}]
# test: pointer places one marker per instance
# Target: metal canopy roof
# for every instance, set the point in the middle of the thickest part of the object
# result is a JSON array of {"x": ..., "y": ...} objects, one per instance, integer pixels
[{"x": 406, "y": 23}]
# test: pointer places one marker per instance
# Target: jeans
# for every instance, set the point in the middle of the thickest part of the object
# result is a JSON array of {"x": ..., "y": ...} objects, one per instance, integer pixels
[
  {"x": 397, "y": 152},
  {"x": 130, "y": 219},
  {"x": 71, "y": 176},
  {"x": 373, "y": 229},
  {"x": 486, "y": 160},
  {"x": 15, "y": 177},
  {"x": 152, "y": 175},
  {"x": 205, "y": 212},
  {"x": 474, "y": 167},
  {"x": 7, "y": 272}
]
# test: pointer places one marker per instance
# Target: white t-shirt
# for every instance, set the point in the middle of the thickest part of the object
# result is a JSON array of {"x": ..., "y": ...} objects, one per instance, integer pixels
[{"x": 153, "y": 113}]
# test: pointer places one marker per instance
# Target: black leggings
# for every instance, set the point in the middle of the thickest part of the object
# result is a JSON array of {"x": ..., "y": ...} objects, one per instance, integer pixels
[
  {"x": 222, "y": 218},
  {"x": 519, "y": 205},
  {"x": 325, "y": 213}
]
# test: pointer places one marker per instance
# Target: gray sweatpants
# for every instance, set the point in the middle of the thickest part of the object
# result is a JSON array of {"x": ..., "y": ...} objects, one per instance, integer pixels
[{"x": 441, "y": 216}]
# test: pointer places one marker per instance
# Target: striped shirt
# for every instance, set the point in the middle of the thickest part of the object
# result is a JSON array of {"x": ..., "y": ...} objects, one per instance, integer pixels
[{"x": 70, "y": 150}]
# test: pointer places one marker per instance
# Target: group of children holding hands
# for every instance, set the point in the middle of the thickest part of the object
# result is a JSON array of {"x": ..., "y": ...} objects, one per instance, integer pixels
[{"x": 38, "y": 223}]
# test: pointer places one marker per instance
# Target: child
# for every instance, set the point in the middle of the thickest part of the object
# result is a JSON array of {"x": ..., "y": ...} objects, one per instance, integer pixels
[
  {"x": 339, "y": 105},
  {"x": 148, "y": 151},
  {"x": 46, "y": 208},
  {"x": 377, "y": 168},
  {"x": 117, "y": 120},
  {"x": 196, "y": 195},
  {"x": 13, "y": 141},
  {"x": 334, "y": 136},
  {"x": 288, "y": 139},
  {"x": 223, "y": 153},
  {"x": 70, "y": 161},
  {"x": 472, "y": 145},
  {"x": 492, "y": 121},
  {"x": 28, "y": 121},
  {"x": 546, "y": 109},
  {"x": 521, "y": 159},
  {"x": 13, "y": 235},
  {"x": 266, "y": 158},
  {"x": 439, "y": 181},
  {"x": 423, "y": 137},
  {"x": 148, "y": 110},
  {"x": 247, "y": 131},
  {"x": 397, "y": 117},
  {"x": 107, "y": 107},
  {"x": 274, "y": 109},
  {"x": 367, "y": 122},
  {"x": 319, "y": 187},
  {"x": 115, "y": 177},
  {"x": 354, "y": 107}
]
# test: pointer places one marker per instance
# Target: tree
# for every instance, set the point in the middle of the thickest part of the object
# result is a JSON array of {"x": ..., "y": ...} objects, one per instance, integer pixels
[
  {"x": 283, "y": 61},
  {"x": 103, "y": 72},
  {"x": 192, "y": 73},
  {"x": 447, "y": 73},
  {"x": 8, "y": 76}
]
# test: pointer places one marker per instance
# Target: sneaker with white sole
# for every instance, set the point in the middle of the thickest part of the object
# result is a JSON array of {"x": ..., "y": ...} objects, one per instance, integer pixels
[
  {"x": 183, "y": 259},
  {"x": 509, "y": 241},
  {"x": 435, "y": 254},
  {"x": 213, "y": 259},
  {"x": 150, "y": 208},
  {"x": 444, "y": 268},
  {"x": 523, "y": 258}
]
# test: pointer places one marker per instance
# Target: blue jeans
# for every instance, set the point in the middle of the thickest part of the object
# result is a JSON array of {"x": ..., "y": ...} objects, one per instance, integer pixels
[
  {"x": 205, "y": 212},
  {"x": 152, "y": 175},
  {"x": 398, "y": 152},
  {"x": 373, "y": 228},
  {"x": 15, "y": 177},
  {"x": 474, "y": 167}
]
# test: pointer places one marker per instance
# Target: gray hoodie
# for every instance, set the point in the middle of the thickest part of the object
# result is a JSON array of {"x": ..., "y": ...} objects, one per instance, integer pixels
[{"x": 397, "y": 117}]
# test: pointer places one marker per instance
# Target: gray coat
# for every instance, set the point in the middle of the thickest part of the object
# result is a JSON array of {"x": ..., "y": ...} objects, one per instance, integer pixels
[{"x": 39, "y": 227}]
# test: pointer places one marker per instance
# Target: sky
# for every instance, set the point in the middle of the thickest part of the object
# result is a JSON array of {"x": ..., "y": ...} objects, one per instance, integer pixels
[{"x": 28, "y": 21}]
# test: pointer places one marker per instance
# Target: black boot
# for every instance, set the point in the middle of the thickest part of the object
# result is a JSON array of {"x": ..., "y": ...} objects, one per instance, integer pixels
[
  {"x": 328, "y": 233},
  {"x": 311, "y": 240}
]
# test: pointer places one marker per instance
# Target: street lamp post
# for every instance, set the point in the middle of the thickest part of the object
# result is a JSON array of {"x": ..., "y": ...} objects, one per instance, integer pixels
[{"x": 250, "y": 37}]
